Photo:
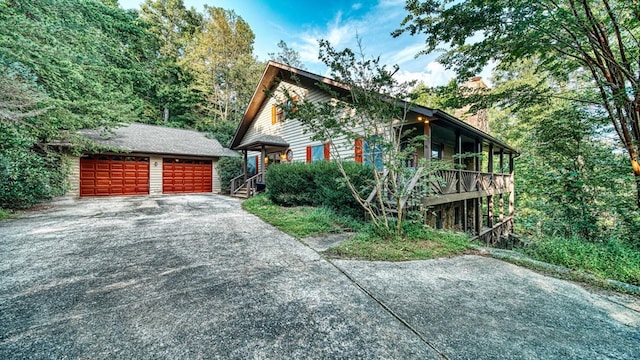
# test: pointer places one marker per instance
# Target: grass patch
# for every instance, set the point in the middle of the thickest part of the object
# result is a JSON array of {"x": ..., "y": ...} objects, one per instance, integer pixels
[
  {"x": 5, "y": 214},
  {"x": 607, "y": 260},
  {"x": 301, "y": 221},
  {"x": 367, "y": 244},
  {"x": 419, "y": 243}
]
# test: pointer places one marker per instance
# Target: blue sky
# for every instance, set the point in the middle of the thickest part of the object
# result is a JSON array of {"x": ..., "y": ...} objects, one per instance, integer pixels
[{"x": 301, "y": 24}]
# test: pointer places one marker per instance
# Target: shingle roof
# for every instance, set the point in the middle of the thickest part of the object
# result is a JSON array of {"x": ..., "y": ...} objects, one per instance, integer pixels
[
  {"x": 159, "y": 140},
  {"x": 265, "y": 139}
]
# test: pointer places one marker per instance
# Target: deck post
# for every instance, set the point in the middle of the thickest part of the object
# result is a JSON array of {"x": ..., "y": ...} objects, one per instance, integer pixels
[
  {"x": 427, "y": 142},
  {"x": 490, "y": 211},
  {"x": 501, "y": 201},
  {"x": 459, "y": 160},
  {"x": 263, "y": 155},
  {"x": 512, "y": 195},
  {"x": 465, "y": 217},
  {"x": 478, "y": 216},
  {"x": 244, "y": 164}
]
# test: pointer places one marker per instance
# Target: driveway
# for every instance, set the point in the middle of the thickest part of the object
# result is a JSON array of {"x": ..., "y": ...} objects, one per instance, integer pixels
[{"x": 197, "y": 277}]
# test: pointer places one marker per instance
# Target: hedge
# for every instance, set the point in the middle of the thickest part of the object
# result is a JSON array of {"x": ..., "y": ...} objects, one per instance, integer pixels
[{"x": 319, "y": 184}]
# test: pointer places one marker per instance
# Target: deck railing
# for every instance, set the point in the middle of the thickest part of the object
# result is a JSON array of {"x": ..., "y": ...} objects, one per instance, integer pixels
[
  {"x": 495, "y": 236},
  {"x": 458, "y": 181}
]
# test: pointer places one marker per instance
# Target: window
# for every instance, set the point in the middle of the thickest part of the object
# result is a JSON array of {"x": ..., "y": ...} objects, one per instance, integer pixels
[
  {"x": 279, "y": 112},
  {"x": 439, "y": 219},
  {"x": 318, "y": 152},
  {"x": 437, "y": 151},
  {"x": 456, "y": 215},
  {"x": 369, "y": 153}
]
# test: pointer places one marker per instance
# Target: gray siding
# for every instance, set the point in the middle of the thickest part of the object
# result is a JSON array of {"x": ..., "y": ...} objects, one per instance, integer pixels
[{"x": 292, "y": 130}]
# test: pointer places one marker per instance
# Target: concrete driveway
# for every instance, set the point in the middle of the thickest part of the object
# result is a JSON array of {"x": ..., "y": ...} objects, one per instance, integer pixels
[{"x": 196, "y": 277}]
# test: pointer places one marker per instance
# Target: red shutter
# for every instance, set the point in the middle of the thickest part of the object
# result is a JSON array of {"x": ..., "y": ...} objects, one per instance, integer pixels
[
  {"x": 257, "y": 159},
  {"x": 273, "y": 114},
  {"x": 308, "y": 154},
  {"x": 327, "y": 151},
  {"x": 358, "y": 151}
]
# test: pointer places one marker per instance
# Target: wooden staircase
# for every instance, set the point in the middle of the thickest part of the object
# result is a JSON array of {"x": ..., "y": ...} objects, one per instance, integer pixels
[{"x": 245, "y": 189}]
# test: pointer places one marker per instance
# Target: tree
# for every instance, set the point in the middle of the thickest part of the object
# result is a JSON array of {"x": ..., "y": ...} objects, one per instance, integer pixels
[
  {"x": 568, "y": 38},
  {"x": 174, "y": 27},
  {"x": 220, "y": 57},
  {"x": 64, "y": 65},
  {"x": 364, "y": 109},
  {"x": 287, "y": 56},
  {"x": 570, "y": 176}
]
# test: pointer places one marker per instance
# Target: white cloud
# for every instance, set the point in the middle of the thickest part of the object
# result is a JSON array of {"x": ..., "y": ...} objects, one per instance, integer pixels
[
  {"x": 405, "y": 55},
  {"x": 434, "y": 74},
  {"x": 356, "y": 6}
]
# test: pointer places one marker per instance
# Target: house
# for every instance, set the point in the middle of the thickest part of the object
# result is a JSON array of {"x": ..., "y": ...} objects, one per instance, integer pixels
[
  {"x": 147, "y": 159},
  {"x": 477, "y": 196}
]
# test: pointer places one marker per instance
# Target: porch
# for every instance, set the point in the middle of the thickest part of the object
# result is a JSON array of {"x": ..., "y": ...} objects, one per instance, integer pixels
[{"x": 266, "y": 149}]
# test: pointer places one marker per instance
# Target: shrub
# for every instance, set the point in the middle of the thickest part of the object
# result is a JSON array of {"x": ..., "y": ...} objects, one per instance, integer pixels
[
  {"x": 27, "y": 176},
  {"x": 319, "y": 184},
  {"x": 228, "y": 168}
]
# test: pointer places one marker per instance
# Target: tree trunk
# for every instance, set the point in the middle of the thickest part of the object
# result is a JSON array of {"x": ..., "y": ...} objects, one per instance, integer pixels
[{"x": 638, "y": 190}]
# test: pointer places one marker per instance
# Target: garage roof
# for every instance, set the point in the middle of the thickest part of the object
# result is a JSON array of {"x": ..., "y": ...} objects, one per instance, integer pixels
[{"x": 153, "y": 139}]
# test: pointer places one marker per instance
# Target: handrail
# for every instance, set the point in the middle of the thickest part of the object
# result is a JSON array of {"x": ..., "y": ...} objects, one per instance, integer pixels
[
  {"x": 412, "y": 184},
  {"x": 374, "y": 191},
  {"x": 235, "y": 184},
  {"x": 491, "y": 236},
  {"x": 250, "y": 184}
]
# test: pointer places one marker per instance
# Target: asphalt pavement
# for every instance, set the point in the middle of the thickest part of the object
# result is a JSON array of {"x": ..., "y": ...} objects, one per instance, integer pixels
[{"x": 194, "y": 276}]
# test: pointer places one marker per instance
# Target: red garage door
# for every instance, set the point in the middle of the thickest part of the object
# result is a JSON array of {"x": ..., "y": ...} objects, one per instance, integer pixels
[
  {"x": 186, "y": 176},
  {"x": 106, "y": 175}
]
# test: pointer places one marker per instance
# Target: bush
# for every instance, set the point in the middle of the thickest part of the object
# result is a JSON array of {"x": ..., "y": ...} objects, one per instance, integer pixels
[
  {"x": 319, "y": 184},
  {"x": 228, "y": 168},
  {"x": 27, "y": 178}
]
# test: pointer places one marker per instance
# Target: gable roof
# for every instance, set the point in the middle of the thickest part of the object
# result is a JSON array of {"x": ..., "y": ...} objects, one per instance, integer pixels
[
  {"x": 275, "y": 71},
  {"x": 154, "y": 139}
]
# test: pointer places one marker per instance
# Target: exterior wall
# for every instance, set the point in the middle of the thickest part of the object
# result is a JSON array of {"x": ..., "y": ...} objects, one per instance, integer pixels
[
  {"x": 291, "y": 130},
  {"x": 215, "y": 177},
  {"x": 73, "y": 178},
  {"x": 155, "y": 175}
]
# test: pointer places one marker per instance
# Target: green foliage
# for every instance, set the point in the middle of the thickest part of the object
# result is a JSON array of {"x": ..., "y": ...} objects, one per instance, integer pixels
[
  {"x": 5, "y": 214},
  {"x": 299, "y": 222},
  {"x": 91, "y": 59},
  {"x": 589, "y": 42},
  {"x": 419, "y": 243},
  {"x": 287, "y": 56},
  {"x": 571, "y": 177},
  {"x": 318, "y": 184},
  {"x": 610, "y": 259},
  {"x": 27, "y": 175},
  {"x": 367, "y": 243},
  {"x": 361, "y": 108},
  {"x": 228, "y": 168}
]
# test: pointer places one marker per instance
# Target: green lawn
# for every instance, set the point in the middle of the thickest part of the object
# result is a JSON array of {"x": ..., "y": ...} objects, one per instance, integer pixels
[
  {"x": 419, "y": 242},
  {"x": 607, "y": 260}
]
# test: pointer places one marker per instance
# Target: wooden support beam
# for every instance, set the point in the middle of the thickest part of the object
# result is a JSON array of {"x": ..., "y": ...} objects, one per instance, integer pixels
[
  {"x": 512, "y": 195},
  {"x": 478, "y": 151},
  {"x": 245, "y": 164},
  {"x": 490, "y": 159},
  {"x": 478, "y": 215},
  {"x": 262, "y": 164},
  {"x": 490, "y": 211},
  {"x": 427, "y": 141},
  {"x": 459, "y": 160},
  {"x": 465, "y": 216}
]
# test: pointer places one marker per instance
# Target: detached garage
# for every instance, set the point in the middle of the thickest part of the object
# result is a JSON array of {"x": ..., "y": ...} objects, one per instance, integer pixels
[{"x": 147, "y": 159}]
